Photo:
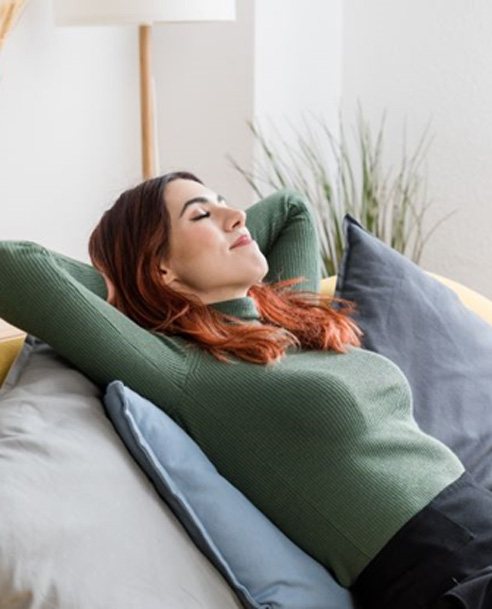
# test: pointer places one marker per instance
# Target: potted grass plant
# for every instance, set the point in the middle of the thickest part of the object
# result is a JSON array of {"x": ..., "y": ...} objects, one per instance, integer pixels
[{"x": 339, "y": 175}]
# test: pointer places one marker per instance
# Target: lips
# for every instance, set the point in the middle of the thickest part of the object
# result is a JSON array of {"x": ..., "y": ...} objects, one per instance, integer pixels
[{"x": 243, "y": 240}]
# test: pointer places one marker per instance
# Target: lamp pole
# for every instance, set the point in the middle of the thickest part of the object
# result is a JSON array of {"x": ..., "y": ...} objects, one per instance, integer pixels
[{"x": 146, "y": 102}]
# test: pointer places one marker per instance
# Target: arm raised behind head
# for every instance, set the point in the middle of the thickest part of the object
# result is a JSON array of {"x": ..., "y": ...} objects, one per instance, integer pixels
[
  {"x": 61, "y": 301},
  {"x": 284, "y": 227}
]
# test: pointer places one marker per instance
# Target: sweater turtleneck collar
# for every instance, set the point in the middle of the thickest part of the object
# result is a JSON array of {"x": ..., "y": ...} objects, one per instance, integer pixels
[{"x": 243, "y": 307}]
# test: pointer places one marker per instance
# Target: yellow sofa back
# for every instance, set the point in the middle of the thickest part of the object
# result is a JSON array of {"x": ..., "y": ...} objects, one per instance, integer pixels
[{"x": 9, "y": 349}]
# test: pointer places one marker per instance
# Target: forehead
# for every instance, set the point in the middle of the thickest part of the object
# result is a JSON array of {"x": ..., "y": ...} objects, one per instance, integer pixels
[{"x": 179, "y": 191}]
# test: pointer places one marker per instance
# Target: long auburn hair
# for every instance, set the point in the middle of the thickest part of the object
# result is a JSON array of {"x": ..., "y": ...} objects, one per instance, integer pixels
[{"x": 132, "y": 238}]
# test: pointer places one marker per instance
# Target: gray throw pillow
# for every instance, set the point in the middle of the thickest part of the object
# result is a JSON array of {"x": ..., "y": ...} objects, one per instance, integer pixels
[
  {"x": 443, "y": 348},
  {"x": 81, "y": 527},
  {"x": 264, "y": 566}
]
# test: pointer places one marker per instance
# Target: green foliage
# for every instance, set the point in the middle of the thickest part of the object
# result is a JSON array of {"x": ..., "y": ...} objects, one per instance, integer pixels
[{"x": 391, "y": 204}]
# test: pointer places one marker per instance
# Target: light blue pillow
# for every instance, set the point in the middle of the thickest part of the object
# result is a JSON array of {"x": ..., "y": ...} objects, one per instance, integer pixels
[{"x": 265, "y": 568}]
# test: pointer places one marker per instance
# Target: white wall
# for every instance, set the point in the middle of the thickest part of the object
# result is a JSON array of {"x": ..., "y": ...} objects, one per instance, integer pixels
[
  {"x": 69, "y": 108},
  {"x": 298, "y": 61},
  {"x": 430, "y": 61},
  {"x": 204, "y": 76},
  {"x": 68, "y": 127},
  {"x": 277, "y": 62}
]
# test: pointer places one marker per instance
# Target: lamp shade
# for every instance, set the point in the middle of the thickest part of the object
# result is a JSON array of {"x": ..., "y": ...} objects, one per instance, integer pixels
[{"x": 141, "y": 12}]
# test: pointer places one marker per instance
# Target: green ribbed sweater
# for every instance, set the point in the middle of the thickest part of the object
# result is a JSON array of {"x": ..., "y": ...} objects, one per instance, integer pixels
[{"x": 324, "y": 444}]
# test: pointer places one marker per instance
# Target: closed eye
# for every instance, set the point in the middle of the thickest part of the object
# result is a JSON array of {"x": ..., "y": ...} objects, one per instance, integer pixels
[{"x": 204, "y": 215}]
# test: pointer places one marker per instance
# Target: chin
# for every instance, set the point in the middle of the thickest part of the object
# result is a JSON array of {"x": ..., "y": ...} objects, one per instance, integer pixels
[
  {"x": 258, "y": 277},
  {"x": 264, "y": 269}
]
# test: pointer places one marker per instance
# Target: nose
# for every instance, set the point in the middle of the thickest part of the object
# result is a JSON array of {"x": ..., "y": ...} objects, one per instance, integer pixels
[{"x": 235, "y": 219}]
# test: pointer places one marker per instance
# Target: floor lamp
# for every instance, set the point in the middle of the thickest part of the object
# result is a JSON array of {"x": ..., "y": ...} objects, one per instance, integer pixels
[{"x": 142, "y": 13}]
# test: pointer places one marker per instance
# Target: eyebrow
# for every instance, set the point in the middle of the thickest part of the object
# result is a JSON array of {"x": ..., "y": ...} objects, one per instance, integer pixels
[{"x": 202, "y": 199}]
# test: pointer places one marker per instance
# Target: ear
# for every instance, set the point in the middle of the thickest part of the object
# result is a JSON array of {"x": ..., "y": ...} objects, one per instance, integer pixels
[{"x": 167, "y": 274}]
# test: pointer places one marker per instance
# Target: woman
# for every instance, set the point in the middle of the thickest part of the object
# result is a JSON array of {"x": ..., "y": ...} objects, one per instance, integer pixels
[{"x": 230, "y": 337}]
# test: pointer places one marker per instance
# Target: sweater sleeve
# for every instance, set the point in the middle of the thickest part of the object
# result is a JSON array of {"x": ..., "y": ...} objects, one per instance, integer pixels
[
  {"x": 284, "y": 227},
  {"x": 61, "y": 301}
]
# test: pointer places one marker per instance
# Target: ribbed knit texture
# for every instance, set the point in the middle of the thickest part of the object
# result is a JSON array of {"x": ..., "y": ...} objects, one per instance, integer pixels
[{"x": 323, "y": 443}]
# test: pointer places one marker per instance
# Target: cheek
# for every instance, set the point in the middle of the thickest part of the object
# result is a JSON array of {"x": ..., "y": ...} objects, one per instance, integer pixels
[
  {"x": 184, "y": 239},
  {"x": 206, "y": 239},
  {"x": 197, "y": 248}
]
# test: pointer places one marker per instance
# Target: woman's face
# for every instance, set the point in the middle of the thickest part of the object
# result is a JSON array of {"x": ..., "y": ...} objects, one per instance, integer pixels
[{"x": 201, "y": 260}]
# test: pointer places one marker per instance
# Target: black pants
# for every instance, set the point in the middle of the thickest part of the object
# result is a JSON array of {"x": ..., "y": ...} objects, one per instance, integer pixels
[{"x": 442, "y": 557}]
